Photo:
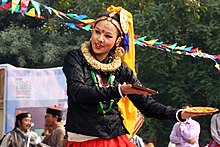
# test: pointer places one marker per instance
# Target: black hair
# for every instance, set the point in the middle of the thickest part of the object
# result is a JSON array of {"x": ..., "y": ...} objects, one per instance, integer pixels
[
  {"x": 186, "y": 104},
  {"x": 20, "y": 116}
]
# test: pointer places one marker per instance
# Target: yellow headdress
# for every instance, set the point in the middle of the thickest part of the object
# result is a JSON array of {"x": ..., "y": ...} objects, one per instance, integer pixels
[
  {"x": 128, "y": 110},
  {"x": 126, "y": 22}
]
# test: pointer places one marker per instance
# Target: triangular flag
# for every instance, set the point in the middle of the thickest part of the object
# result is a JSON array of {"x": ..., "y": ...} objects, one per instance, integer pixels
[
  {"x": 16, "y": 9},
  {"x": 87, "y": 27},
  {"x": 6, "y": 6},
  {"x": 48, "y": 9},
  {"x": 136, "y": 37},
  {"x": 217, "y": 66},
  {"x": 151, "y": 42},
  {"x": 172, "y": 46},
  {"x": 24, "y": 5},
  {"x": 14, "y": 5},
  {"x": 37, "y": 7},
  {"x": 31, "y": 12},
  {"x": 180, "y": 47},
  {"x": 87, "y": 21},
  {"x": 62, "y": 14},
  {"x": 56, "y": 12},
  {"x": 71, "y": 25},
  {"x": 165, "y": 45},
  {"x": 194, "y": 50},
  {"x": 4, "y": 2},
  {"x": 188, "y": 48},
  {"x": 158, "y": 43},
  {"x": 71, "y": 15},
  {"x": 80, "y": 17},
  {"x": 217, "y": 56},
  {"x": 141, "y": 39},
  {"x": 79, "y": 25}
]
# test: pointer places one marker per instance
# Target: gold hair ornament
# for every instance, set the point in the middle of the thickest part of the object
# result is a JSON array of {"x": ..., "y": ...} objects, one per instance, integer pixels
[
  {"x": 112, "y": 20},
  {"x": 123, "y": 17}
]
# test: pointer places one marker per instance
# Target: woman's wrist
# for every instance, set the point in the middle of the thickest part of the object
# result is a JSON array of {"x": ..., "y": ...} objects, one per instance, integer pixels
[{"x": 119, "y": 90}]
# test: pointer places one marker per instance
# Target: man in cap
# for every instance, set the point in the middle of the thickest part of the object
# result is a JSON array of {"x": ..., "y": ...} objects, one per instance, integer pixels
[
  {"x": 53, "y": 118},
  {"x": 21, "y": 135}
]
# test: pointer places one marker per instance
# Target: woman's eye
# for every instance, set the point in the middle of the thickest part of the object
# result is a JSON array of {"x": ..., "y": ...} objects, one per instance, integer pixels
[
  {"x": 97, "y": 32},
  {"x": 108, "y": 36}
]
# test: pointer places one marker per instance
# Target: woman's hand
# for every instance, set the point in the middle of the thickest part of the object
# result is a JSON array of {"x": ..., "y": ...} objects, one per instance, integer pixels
[{"x": 128, "y": 89}]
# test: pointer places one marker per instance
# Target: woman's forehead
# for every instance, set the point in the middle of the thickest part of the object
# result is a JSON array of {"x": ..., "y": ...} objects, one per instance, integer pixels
[{"x": 107, "y": 26}]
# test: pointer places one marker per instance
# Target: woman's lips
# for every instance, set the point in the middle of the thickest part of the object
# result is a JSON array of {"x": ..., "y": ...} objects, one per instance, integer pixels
[{"x": 98, "y": 46}]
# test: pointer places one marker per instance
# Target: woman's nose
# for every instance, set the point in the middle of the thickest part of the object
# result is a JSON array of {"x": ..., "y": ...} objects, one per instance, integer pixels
[{"x": 101, "y": 39}]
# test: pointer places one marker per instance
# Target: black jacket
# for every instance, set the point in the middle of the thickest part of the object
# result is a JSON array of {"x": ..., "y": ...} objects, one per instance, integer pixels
[{"x": 83, "y": 98}]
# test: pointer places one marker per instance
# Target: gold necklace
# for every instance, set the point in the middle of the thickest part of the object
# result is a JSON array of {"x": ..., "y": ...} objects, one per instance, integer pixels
[{"x": 109, "y": 67}]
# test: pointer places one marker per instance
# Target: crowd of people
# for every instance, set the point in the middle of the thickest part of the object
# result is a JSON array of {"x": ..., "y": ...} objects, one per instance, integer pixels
[
  {"x": 98, "y": 77},
  {"x": 22, "y": 135}
]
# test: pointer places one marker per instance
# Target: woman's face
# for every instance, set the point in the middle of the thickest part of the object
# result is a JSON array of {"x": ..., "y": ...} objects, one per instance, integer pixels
[{"x": 103, "y": 38}]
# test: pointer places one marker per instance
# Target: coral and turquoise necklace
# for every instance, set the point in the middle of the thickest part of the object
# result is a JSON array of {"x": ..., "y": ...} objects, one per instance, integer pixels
[{"x": 97, "y": 78}]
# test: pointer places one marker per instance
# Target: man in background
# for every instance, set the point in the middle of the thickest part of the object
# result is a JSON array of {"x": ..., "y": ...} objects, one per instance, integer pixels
[
  {"x": 185, "y": 134},
  {"x": 21, "y": 135},
  {"x": 53, "y": 118},
  {"x": 215, "y": 129}
]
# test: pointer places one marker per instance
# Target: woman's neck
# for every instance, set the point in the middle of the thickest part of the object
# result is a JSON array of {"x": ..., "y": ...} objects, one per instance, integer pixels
[{"x": 98, "y": 57}]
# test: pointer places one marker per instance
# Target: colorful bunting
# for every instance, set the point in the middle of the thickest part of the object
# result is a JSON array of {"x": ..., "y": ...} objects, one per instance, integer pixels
[
  {"x": 80, "y": 17},
  {"x": 31, "y": 12},
  {"x": 14, "y": 5},
  {"x": 24, "y": 5},
  {"x": 4, "y": 2},
  {"x": 71, "y": 25},
  {"x": 87, "y": 23},
  {"x": 71, "y": 15},
  {"x": 48, "y": 9},
  {"x": 37, "y": 7},
  {"x": 87, "y": 27}
]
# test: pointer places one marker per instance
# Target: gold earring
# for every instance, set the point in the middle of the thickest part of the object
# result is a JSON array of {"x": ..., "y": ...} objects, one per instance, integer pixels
[
  {"x": 118, "y": 41},
  {"x": 119, "y": 51}
]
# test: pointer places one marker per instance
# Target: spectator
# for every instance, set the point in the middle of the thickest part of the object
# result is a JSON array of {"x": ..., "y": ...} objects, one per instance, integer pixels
[
  {"x": 215, "y": 131},
  {"x": 53, "y": 118},
  {"x": 148, "y": 142},
  {"x": 185, "y": 134},
  {"x": 21, "y": 135}
]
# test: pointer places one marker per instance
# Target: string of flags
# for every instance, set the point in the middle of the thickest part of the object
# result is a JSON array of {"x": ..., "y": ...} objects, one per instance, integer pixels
[{"x": 86, "y": 23}]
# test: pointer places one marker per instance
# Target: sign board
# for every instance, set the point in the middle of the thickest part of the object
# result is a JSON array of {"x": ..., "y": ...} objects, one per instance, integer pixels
[{"x": 32, "y": 90}]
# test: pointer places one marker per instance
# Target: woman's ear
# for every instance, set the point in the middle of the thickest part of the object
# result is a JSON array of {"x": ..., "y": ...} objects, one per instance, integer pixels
[{"x": 118, "y": 41}]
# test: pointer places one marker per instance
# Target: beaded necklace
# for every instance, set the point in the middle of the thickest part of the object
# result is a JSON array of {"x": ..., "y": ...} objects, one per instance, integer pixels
[{"x": 97, "y": 78}]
